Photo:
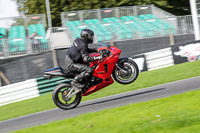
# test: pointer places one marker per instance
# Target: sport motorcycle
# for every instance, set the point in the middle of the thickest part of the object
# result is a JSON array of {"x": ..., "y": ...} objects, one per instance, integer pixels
[{"x": 122, "y": 70}]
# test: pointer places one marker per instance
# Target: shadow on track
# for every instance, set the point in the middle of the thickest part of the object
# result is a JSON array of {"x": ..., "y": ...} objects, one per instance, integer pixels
[{"x": 122, "y": 97}]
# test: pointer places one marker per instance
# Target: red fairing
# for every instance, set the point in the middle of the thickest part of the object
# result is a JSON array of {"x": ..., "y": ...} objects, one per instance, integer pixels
[
  {"x": 104, "y": 69},
  {"x": 93, "y": 89}
]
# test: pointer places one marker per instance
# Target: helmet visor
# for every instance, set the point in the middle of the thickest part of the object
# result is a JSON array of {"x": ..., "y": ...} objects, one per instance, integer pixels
[{"x": 91, "y": 37}]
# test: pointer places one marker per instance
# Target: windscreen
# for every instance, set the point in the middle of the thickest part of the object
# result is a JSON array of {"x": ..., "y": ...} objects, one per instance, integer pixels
[{"x": 102, "y": 44}]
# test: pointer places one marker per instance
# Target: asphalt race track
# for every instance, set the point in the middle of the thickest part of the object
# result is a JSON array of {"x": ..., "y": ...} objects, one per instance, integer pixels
[{"x": 145, "y": 94}]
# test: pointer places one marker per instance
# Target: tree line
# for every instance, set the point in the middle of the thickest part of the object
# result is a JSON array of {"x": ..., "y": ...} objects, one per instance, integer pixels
[{"x": 28, "y": 7}]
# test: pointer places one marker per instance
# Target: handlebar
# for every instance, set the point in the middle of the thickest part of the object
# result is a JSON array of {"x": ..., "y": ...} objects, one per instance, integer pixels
[{"x": 104, "y": 52}]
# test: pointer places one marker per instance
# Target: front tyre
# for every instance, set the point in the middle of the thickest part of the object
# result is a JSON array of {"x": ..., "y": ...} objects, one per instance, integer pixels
[
  {"x": 127, "y": 73},
  {"x": 59, "y": 99}
]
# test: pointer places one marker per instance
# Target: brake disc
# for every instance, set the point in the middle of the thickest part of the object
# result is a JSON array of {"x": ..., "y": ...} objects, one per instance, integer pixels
[{"x": 64, "y": 96}]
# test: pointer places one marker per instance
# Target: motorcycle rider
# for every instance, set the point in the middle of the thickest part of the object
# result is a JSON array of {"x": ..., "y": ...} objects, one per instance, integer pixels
[{"x": 77, "y": 58}]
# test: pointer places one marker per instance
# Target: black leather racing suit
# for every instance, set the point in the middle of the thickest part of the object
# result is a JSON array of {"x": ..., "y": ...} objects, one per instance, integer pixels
[{"x": 77, "y": 60}]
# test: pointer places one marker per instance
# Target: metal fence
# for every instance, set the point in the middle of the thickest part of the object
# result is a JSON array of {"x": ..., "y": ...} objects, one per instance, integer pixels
[
  {"x": 12, "y": 21},
  {"x": 178, "y": 25},
  {"x": 161, "y": 13},
  {"x": 184, "y": 25},
  {"x": 36, "y": 19},
  {"x": 113, "y": 12},
  {"x": 17, "y": 32},
  {"x": 22, "y": 46},
  {"x": 22, "y": 20}
]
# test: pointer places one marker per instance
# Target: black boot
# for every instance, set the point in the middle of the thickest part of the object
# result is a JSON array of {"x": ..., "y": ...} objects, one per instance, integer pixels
[{"x": 76, "y": 83}]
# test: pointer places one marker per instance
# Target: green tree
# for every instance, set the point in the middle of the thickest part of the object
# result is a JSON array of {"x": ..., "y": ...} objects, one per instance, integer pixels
[{"x": 180, "y": 7}]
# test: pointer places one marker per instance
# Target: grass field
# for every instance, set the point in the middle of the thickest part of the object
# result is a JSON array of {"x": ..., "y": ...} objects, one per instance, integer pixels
[
  {"x": 175, "y": 114},
  {"x": 145, "y": 79}
]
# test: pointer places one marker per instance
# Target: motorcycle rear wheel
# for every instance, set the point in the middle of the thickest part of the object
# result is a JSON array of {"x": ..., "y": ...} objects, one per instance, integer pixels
[
  {"x": 131, "y": 69},
  {"x": 59, "y": 94}
]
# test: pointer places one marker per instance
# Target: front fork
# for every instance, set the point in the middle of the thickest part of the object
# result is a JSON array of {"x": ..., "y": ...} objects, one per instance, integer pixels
[
  {"x": 121, "y": 69},
  {"x": 71, "y": 93}
]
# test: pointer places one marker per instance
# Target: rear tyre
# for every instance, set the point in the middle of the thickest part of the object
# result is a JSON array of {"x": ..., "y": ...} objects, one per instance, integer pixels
[
  {"x": 59, "y": 94},
  {"x": 128, "y": 75}
]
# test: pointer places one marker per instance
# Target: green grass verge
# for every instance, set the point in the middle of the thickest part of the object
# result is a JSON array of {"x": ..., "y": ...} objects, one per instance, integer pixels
[
  {"x": 145, "y": 79},
  {"x": 175, "y": 114}
]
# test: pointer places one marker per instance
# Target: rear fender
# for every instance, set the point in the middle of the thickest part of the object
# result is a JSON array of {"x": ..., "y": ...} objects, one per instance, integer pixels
[{"x": 53, "y": 72}]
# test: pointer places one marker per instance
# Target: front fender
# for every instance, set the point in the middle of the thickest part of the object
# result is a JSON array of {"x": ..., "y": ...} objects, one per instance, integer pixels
[{"x": 121, "y": 61}]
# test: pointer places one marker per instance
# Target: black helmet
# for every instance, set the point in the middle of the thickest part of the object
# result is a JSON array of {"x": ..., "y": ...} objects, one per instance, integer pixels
[{"x": 87, "y": 35}]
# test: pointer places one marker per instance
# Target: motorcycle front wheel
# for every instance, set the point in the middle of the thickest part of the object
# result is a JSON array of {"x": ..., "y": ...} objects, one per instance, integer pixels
[
  {"x": 59, "y": 97},
  {"x": 127, "y": 73}
]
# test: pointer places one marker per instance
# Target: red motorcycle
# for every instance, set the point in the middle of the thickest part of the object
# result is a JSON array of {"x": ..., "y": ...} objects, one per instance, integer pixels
[{"x": 123, "y": 70}]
